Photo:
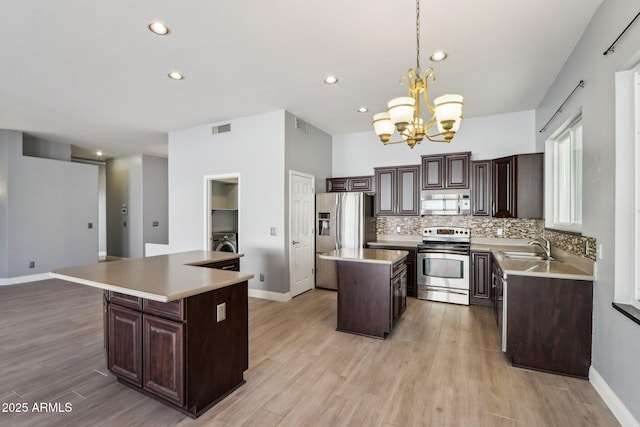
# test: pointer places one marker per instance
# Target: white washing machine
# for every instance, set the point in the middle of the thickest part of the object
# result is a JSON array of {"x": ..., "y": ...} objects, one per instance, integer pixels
[{"x": 224, "y": 241}]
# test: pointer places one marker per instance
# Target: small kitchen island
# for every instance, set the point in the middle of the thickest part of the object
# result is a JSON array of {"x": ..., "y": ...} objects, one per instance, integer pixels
[
  {"x": 174, "y": 329},
  {"x": 372, "y": 289}
]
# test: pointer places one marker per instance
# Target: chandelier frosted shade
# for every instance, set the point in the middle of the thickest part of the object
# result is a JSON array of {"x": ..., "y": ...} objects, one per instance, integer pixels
[
  {"x": 401, "y": 111},
  {"x": 448, "y": 107},
  {"x": 383, "y": 126}
]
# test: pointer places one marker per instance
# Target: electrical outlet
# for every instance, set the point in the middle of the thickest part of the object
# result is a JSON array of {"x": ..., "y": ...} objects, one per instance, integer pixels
[
  {"x": 221, "y": 311},
  {"x": 274, "y": 231},
  {"x": 32, "y": 264},
  {"x": 90, "y": 225},
  {"x": 155, "y": 223},
  {"x": 262, "y": 277},
  {"x": 398, "y": 228},
  {"x": 499, "y": 232}
]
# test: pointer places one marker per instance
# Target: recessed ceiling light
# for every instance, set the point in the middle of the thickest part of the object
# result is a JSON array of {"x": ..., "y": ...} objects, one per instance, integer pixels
[
  {"x": 331, "y": 80},
  {"x": 175, "y": 75},
  {"x": 99, "y": 153},
  {"x": 363, "y": 110},
  {"x": 439, "y": 56},
  {"x": 159, "y": 28}
]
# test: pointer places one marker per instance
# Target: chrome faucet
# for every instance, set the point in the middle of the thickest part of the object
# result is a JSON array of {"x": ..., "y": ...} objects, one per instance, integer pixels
[{"x": 543, "y": 243}]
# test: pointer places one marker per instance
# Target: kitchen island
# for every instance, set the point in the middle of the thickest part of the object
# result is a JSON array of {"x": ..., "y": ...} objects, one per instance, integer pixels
[
  {"x": 174, "y": 329},
  {"x": 372, "y": 289}
]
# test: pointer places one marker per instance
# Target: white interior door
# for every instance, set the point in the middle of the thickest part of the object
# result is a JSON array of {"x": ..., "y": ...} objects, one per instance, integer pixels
[{"x": 301, "y": 233}]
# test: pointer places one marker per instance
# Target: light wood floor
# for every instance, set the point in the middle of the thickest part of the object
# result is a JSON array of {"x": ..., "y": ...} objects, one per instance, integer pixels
[{"x": 442, "y": 366}]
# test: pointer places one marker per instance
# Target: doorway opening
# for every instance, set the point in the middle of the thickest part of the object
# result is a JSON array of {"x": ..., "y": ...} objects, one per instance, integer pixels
[{"x": 222, "y": 212}]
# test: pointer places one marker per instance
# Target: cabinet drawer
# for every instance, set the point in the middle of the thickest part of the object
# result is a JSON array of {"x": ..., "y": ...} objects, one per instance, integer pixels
[
  {"x": 170, "y": 310},
  {"x": 125, "y": 300}
]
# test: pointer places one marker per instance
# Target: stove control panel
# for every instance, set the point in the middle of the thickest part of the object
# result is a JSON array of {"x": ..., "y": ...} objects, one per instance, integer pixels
[{"x": 446, "y": 233}]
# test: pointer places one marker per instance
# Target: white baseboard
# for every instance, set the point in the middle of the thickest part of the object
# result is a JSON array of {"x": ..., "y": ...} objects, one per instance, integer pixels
[
  {"x": 618, "y": 408},
  {"x": 24, "y": 279},
  {"x": 273, "y": 296}
]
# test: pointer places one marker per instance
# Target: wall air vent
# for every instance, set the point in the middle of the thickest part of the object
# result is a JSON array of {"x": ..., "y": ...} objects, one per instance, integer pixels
[
  {"x": 301, "y": 125},
  {"x": 226, "y": 128}
]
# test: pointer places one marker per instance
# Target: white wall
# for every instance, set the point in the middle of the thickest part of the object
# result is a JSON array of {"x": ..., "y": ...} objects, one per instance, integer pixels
[
  {"x": 486, "y": 137},
  {"x": 255, "y": 150},
  {"x": 616, "y": 339},
  {"x": 49, "y": 204}
]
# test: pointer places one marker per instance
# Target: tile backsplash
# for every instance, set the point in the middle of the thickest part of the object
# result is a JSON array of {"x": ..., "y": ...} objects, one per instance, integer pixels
[{"x": 487, "y": 227}]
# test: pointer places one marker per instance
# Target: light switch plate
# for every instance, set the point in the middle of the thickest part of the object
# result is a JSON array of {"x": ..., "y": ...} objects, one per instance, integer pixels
[{"x": 221, "y": 310}]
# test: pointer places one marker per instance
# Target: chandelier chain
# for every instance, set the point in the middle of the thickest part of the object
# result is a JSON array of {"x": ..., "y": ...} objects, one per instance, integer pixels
[{"x": 418, "y": 36}]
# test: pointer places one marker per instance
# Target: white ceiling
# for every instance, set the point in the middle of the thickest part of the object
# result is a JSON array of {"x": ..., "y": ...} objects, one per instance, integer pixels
[{"x": 90, "y": 73}]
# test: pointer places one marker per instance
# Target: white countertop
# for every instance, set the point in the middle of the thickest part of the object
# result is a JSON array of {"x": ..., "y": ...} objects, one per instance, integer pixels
[
  {"x": 565, "y": 266},
  {"x": 160, "y": 278},
  {"x": 379, "y": 256}
]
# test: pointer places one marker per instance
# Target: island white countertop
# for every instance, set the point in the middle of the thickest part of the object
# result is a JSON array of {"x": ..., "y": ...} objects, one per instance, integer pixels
[
  {"x": 160, "y": 278},
  {"x": 379, "y": 256}
]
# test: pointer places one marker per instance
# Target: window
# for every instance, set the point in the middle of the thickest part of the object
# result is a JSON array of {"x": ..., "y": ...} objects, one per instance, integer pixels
[
  {"x": 627, "y": 190},
  {"x": 563, "y": 195}
]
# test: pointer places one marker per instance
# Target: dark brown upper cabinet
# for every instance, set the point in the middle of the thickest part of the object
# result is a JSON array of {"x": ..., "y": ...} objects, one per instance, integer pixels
[
  {"x": 351, "y": 183},
  {"x": 518, "y": 186},
  {"x": 446, "y": 171},
  {"x": 397, "y": 191},
  {"x": 481, "y": 188}
]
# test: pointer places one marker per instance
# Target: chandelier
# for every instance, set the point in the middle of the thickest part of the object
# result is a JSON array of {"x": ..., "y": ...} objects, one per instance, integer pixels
[{"x": 403, "y": 114}]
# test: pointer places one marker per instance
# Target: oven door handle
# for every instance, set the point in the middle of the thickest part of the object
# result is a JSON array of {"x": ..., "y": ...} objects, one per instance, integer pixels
[{"x": 443, "y": 289}]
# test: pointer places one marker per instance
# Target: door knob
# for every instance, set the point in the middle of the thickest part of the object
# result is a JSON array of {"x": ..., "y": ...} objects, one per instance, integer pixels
[{"x": 295, "y": 242}]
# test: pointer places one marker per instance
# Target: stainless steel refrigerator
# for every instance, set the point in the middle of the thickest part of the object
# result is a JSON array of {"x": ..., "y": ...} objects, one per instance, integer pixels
[{"x": 343, "y": 220}]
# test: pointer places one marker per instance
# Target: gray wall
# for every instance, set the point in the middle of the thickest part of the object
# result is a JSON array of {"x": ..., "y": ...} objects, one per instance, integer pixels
[
  {"x": 47, "y": 207},
  {"x": 37, "y": 147},
  {"x": 616, "y": 340},
  {"x": 140, "y": 183},
  {"x": 155, "y": 199},
  {"x": 124, "y": 189},
  {"x": 5, "y": 138},
  {"x": 310, "y": 153}
]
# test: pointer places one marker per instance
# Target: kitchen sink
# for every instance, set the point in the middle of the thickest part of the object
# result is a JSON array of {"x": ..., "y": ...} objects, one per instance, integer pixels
[{"x": 525, "y": 255}]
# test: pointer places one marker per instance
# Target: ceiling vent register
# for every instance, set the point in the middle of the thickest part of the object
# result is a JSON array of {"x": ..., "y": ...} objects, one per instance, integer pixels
[
  {"x": 226, "y": 128},
  {"x": 301, "y": 125}
]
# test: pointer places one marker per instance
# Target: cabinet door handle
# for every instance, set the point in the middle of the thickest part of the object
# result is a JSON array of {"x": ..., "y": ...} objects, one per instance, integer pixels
[{"x": 228, "y": 267}]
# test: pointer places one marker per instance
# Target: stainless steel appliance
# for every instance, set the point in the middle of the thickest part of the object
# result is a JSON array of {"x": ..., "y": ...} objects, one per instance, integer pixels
[
  {"x": 343, "y": 220},
  {"x": 444, "y": 203},
  {"x": 224, "y": 242},
  {"x": 443, "y": 264}
]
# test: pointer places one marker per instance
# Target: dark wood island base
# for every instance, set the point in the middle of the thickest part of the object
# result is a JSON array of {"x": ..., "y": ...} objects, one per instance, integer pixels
[
  {"x": 174, "y": 329},
  {"x": 177, "y": 352},
  {"x": 372, "y": 290}
]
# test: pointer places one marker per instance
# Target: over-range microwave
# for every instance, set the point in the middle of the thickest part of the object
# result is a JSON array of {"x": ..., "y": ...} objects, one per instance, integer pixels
[{"x": 444, "y": 203}]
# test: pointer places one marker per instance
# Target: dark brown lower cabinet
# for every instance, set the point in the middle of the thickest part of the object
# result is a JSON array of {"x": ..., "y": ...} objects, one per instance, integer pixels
[
  {"x": 163, "y": 358},
  {"x": 125, "y": 343},
  {"x": 371, "y": 297},
  {"x": 178, "y": 352},
  {"x": 481, "y": 278},
  {"x": 549, "y": 324}
]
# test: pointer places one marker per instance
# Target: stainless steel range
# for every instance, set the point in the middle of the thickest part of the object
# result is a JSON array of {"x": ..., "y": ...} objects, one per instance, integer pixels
[{"x": 443, "y": 264}]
